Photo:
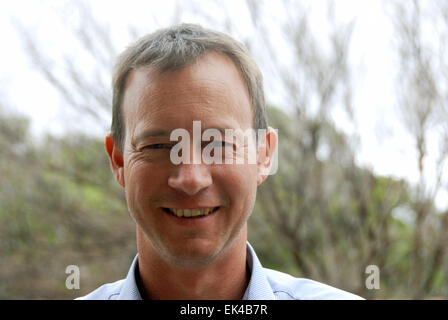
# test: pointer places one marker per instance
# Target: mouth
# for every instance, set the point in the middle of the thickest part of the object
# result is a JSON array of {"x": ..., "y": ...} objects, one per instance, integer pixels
[{"x": 191, "y": 213}]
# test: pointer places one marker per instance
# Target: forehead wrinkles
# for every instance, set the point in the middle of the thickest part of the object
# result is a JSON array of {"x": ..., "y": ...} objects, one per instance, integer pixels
[
  {"x": 147, "y": 87},
  {"x": 203, "y": 93}
]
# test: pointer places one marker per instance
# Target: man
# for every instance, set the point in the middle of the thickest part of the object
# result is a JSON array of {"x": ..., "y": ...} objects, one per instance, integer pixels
[{"x": 191, "y": 216}]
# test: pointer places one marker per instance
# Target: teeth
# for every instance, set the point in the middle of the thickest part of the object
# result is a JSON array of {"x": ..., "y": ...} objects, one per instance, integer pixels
[
  {"x": 179, "y": 212},
  {"x": 191, "y": 212}
]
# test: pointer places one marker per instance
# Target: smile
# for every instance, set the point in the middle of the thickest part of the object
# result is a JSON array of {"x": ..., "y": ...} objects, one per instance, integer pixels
[{"x": 190, "y": 213}]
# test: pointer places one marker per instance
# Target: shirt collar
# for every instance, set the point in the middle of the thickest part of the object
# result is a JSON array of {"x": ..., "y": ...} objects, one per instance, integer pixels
[
  {"x": 130, "y": 291},
  {"x": 257, "y": 289}
]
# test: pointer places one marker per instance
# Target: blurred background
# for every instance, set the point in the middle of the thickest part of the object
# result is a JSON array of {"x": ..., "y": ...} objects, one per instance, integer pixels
[{"x": 357, "y": 90}]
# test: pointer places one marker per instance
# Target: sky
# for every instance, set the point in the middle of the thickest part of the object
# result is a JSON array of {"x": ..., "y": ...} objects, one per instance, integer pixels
[{"x": 385, "y": 145}]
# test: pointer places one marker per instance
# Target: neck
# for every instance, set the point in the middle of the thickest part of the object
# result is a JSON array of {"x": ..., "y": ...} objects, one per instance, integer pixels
[{"x": 224, "y": 278}]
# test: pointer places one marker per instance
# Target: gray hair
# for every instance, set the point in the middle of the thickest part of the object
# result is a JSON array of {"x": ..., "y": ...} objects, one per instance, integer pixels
[{"x": 174, "y": 48}]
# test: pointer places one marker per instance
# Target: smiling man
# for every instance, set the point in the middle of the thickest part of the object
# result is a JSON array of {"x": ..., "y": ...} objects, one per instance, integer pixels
[{"x": 191, "y": 217}]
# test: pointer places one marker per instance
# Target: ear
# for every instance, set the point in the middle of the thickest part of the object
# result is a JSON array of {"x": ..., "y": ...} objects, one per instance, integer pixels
[
  {"x": 115, "y": 159},
  {"x": 265, "y": 155}
]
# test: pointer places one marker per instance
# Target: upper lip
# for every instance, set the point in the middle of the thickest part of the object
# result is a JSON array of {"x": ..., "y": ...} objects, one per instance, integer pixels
[{"x": 190, "y": 207}]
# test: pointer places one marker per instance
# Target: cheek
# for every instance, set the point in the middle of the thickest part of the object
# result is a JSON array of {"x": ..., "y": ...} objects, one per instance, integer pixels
[
  {"x": 240, "y": 182},
  {"x": 141, "y": 180},
  {"x": 135, "y": 174}
]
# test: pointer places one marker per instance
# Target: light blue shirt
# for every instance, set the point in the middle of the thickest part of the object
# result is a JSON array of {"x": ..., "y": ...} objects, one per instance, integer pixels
[{"x": 264, "y": 284}]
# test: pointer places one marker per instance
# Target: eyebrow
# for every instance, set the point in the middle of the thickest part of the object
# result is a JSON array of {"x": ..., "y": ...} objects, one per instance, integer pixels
[
  {"x": 222, "y": 130},
  {"x": 161, "y": 133},
  {"x": 151, "y": 134}
]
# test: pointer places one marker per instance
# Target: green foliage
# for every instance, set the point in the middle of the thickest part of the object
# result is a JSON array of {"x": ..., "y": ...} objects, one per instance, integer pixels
[
  {"x": 332, "y": 217},
  {"x": 324, "y": 219},
  {"x": 59, "y": 206}
]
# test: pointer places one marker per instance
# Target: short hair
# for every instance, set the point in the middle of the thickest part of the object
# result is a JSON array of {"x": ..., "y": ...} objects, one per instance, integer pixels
[{"x": 174, "y": 48}]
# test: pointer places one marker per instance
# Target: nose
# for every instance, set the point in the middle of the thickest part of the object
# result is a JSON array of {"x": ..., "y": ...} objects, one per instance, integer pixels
[{"x": 190, "y": 178}]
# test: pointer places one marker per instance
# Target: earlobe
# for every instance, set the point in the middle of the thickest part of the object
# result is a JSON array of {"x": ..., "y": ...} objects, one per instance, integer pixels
[
  {"x": 120, "y": 176},
  {"x": 268, "y": 146},
  {"x": 115, "y": 159}
]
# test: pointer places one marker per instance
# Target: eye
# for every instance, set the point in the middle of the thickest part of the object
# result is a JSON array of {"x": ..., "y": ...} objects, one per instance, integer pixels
[
  {"x": 217, "y": 143},
  {"x": 158, "y": 146}
]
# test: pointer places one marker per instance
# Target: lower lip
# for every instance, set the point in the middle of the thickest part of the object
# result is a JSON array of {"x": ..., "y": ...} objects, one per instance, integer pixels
[{"x": 193, "y": 221}]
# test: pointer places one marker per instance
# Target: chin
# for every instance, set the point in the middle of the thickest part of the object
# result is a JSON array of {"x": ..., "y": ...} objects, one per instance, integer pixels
[
  {"x": 192, "y": 259},
  {"x": 193, "y": 255}
]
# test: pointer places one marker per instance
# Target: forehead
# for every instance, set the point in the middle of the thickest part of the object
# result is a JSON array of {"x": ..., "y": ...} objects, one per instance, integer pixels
[{"x": 209, "y": 89}]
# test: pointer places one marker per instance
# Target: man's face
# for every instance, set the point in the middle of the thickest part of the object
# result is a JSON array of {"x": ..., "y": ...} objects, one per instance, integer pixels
[{"x": 211, "y": 91}]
